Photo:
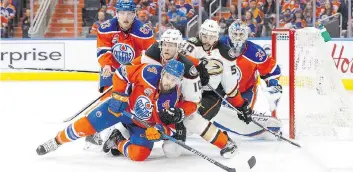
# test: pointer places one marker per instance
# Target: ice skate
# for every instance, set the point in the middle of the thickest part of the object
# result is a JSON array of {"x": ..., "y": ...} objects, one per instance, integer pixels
[
  {"x": 111, "y": 143},
  {"x": 230, "y": 150},
  {"x": 47, "y": 147}
]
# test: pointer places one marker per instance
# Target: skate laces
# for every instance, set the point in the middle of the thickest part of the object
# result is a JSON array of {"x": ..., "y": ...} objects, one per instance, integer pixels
[{"x": 50, "y": 145}]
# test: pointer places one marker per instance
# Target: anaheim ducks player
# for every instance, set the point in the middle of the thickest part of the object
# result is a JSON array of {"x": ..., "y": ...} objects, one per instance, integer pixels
[
  {"x": 162, "y": 52},
  {"x": 252, "y": 61},
  {"x": 220, "y": 62}
]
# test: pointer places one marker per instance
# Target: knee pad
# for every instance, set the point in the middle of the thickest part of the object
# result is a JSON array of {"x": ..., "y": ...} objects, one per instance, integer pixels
[
  {"x": 171, "y": 149},
  {"x": 138, "y": 153}
]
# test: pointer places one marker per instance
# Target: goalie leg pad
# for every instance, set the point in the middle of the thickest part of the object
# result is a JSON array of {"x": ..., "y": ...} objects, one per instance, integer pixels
[{"x": 228, "y": 120}]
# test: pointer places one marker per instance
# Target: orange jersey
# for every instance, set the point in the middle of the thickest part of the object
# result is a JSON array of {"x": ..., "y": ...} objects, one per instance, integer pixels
[
  {"x": 190, "y": 96},
  {"x": 252, "y": 60},
  {"x": 139, "y": 37},
  {"x": 141, "y": 82}
]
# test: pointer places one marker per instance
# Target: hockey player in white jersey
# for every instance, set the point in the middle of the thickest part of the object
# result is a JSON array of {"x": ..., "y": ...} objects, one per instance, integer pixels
[
  {"x": 220, "y": 62},
  {"x": 160, "y": 53},
  {"x": 252, "y": 61}
]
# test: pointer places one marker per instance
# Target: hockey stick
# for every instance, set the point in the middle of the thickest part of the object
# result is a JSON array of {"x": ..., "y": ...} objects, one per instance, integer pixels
[
  {"x": 52, "y": 69},
  {"x": 87, "y": 106},
  {"x": 251, "y": 161},
  {"x": 255, "y": 122}
]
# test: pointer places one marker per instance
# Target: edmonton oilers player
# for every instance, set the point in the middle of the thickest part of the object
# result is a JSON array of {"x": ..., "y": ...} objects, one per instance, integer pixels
[
  {"x": 154, "y": 87},
  {"x": 160, "y": 53},
  {"x": 124, "y": 30}
]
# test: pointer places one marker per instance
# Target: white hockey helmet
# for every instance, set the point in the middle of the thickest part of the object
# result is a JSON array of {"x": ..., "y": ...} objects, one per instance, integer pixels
[
  {"x": 170, "y": 36},
  {"x": 210, "y": 27},
  {"x": 238, "y": 33},
  {"x": 173, "y": 36}
]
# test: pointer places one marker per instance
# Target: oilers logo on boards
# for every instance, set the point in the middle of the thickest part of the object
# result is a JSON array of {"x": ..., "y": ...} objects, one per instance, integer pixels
[
  {"x": 123, "y": 53},
  {"x": 143, "y": 108}
]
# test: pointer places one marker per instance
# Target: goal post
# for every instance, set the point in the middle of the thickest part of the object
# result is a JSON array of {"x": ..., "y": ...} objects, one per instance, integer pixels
[{"x": 314, "y": 99}]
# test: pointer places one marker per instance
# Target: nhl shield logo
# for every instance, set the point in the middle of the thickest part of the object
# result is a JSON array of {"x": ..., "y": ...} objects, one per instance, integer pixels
[
  {"x": 193, "y": 71},
  {"x": 143, "y": 108},
  {"x": 123, "y": 53},
  {"x": 148, "y": 91},
  {"x": 232, "y": 53},
  {"x": 115, "y": 39}
]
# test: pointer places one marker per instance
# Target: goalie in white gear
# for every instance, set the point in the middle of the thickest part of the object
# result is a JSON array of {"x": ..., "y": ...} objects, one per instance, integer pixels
[
  {"x": 159, "y": 54},
  {"x": 252, "y": 61}
]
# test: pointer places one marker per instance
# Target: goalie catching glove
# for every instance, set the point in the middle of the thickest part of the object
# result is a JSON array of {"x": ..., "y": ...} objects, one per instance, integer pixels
[
  {"x": 273, "y": 86},
  {"x": 273, "y": 93},
  {"x": 246, "y": 112},
  {"x": 171, "y": 115}
]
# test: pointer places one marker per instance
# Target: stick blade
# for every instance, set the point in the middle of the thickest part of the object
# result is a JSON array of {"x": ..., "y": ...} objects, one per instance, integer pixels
[
  {"x": 231, "y": 170},
  {"x": 252, "y": 162}
]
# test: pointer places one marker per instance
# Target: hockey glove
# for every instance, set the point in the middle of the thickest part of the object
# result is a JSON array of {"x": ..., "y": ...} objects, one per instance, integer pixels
[
  {"x": 273, "y": 93},
  {"x": 204, "y": 76},
  {"x": 273, "y": 86},
  {"x": 154, "y": 133},
  {"x": 180, "y": 132},
  {"x": 246, "y": 112},
  {"x": 118, "y": 103},
  {"x": 171, "y": 115}
]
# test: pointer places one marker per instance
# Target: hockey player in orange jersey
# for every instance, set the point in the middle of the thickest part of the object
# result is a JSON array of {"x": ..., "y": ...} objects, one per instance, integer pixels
[
  {"x": 124, "y": 34},
  {"x": 162, "y": 52},
  {"x": 253, "y": 61},
  {"x": 124, "y": 28},
  {"x": 146, "y": 91}
]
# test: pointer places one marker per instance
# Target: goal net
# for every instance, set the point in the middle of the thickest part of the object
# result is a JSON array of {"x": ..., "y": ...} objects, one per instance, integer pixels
[{"x": 318, "y": 102}]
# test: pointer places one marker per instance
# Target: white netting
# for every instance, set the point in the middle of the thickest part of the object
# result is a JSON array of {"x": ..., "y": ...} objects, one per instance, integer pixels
[{"x": 322, "y": 107}]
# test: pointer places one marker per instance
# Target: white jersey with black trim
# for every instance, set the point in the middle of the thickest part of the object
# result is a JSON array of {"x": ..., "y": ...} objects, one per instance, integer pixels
[{"x": 219, "y": 54}]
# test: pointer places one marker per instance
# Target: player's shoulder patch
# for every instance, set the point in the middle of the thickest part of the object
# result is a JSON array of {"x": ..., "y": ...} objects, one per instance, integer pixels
[
  {"x": 195, "y": 40},
  {"x": 140, "y": 29},
  {"x": 154, "y": 52},
  {"x": 190, "y": 70},
  {"x": 255, "y": 53},
  {"x": 151, "y": 74},
  {"x": 108, "y": 25},
  {"x": 226, "y": 52}
]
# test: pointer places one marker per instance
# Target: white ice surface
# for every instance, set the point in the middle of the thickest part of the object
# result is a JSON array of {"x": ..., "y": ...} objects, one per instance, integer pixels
[{"x": 31, "y": 113}]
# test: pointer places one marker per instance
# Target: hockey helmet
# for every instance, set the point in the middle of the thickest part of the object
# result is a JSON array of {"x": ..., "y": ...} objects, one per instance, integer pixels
[
  {"x": 210, "y": 27},
  {"x": 125, "y": 5},
  {"x": 172, "y": 35},
  {"x": 174, "y": 68},
  {"x": 238, "y": 33}
]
